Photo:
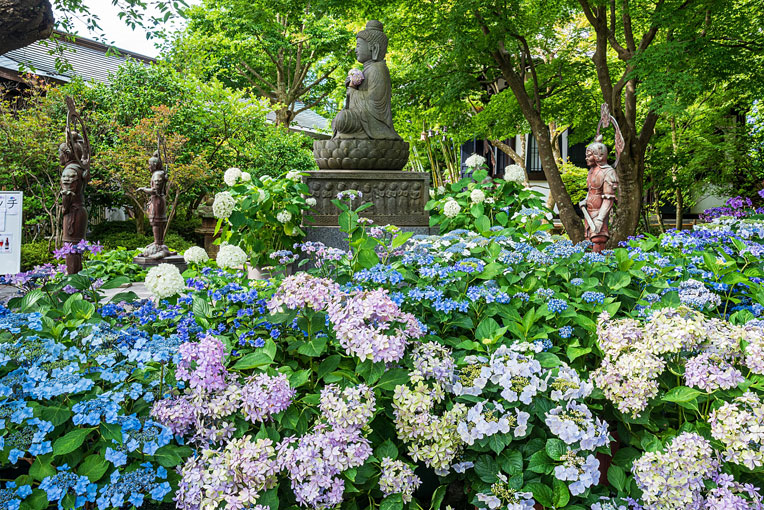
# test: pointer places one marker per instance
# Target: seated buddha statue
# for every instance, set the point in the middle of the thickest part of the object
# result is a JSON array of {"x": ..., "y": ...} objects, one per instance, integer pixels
[{"x": 367, "y": 113}]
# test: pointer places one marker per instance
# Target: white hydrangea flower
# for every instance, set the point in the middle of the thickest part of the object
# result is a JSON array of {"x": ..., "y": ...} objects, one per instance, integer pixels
[
  {"x": 310, "y": 201},
  {"x": 475, "y": 161},
  {"x": 195, "y": 255},
  {"x": 514, "y": 173},
  {"x": 246, "y": 177},
  {"x": 231, "y": 176},
  {"x": 451, "y": 208},
  {"x": 260, "y": 196},
  {"x": 432, "y": 193},
  {"x": 223, "y": 205},
  {"x": 164, "y": 281},
  {"x": 477, "y": 196},
  {"x": 441, "y": 190},
  {"x": 231, "y": 256},
  {"x": 284, "y": 216},
  {"x": 293, "y": 175}
]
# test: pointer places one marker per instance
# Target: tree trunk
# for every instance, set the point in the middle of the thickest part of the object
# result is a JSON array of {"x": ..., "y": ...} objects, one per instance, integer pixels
[
  {"x": 509, "y": 151},
  {"x": 573, "y": 225},
  {"x": 23, "y": 22},
  {"x": 284, "y": 117},
  {"x": 674, "y": 174}
]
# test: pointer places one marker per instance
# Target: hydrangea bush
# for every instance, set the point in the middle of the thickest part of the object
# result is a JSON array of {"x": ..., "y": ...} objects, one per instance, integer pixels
[
  {"x": 478, "y": 203},
  {"x": 498, "y": 368},
  {"x": 263, "y": 214}
]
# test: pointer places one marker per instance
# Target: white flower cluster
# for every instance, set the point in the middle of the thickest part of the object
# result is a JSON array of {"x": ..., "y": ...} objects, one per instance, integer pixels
[
  {"x": 574, "y": 423},
  {"x": 195, "y": 255},
  {"x": 475, "y": 161},
  {"x": 231, "y": 176},
  {"x": 231, "y": 256},
  {"x": 293, "y": 175},
  {"x": 223, "y": 205},
  {"x": 582, "y": 471},
  {"x": 310, "y": 202},
  {"x": 514, "y": 173},
  {"x": 284, "y": 216},
  {"x": 164, "y": 281},
  {"x": 477, "y": 196},
  {"x": 451, "y": 208},
  {"x": 246, "y": 177},
  {"x": 485, "y": 419},
  {"x": 502, "y": 496}
]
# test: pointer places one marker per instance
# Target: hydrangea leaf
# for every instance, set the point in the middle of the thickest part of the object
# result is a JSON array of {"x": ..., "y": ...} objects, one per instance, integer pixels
[
  {"x": 71, "y": 441},
  {"x": 511, "y": 461},
  {"x": 617, "y": 477},
  {"x": 393, "y": 378},
  {"x": 541, "y": 493},
  {"x": 94, "y": 467},
  {"x": 486, "y": 468},
  {"x": 560, "y": 493},
  {"x": 555, "y": 448}
]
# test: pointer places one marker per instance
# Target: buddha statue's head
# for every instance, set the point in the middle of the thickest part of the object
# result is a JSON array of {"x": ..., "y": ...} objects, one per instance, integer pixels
[{"x": 371, "y": 43}]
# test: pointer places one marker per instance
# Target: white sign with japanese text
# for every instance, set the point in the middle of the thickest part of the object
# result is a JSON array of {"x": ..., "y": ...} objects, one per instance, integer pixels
[{"x": 10, "y": 231}]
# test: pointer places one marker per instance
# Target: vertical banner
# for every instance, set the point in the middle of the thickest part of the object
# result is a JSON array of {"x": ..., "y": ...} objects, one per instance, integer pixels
[{"x": 10, "y": 231}]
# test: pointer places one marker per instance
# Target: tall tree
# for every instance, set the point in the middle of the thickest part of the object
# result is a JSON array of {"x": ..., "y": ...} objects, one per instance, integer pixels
[
  {"x": 284, "y": 50},
  {"x": 643, "y": 52}
]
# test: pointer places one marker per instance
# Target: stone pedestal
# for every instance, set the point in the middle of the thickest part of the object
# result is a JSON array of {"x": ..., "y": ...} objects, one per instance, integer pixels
[
  {"x": 176, "y": 260},
  {"x": 398, "y": 197}
]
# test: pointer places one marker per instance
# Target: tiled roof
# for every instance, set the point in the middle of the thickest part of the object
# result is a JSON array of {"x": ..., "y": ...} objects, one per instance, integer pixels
[{"x": 87, "y": 58}]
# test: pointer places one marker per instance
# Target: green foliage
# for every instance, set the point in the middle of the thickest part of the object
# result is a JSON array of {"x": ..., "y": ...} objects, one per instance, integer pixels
[
  {"x": 35, "y": 254},
  {"x": 574, "y": 178},
  {"x": 283, "y": 51},
  {"x": 267, "y": 216},
  {"x": 29, "y": 140},
  {"x": 116, "y": 262},
  {"x": 279, "y": 151},
  {"x": 479, "y": 203}
]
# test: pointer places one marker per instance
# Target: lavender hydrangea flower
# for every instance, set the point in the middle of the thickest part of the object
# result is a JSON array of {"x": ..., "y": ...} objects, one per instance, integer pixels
[
  {"x": 201, "y": 364},
  {"x": 710, "y": 372},
  {"x": 369, "y": 325},
  {"x": 263, "y": 396}
]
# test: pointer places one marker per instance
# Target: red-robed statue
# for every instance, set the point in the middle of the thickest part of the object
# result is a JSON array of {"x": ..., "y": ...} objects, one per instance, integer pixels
[{"x": 602, "y": 184}]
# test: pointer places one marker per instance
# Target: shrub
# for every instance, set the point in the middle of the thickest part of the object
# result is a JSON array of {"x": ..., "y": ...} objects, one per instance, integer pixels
[
  {"x": 574, "y": 178},
  {"x": 35, "y": 254}
]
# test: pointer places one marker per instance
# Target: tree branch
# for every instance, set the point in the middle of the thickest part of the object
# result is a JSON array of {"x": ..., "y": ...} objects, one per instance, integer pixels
[
  {"x": 256, "y": 75},
  {"x": 305, "y": 89}
]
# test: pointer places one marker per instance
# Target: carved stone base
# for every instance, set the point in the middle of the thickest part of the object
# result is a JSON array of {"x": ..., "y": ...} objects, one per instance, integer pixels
[
  {"x": 175, "y": 260},
  {"x": 360, "y": 154},
  {"x": 398, "y": 197}
]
